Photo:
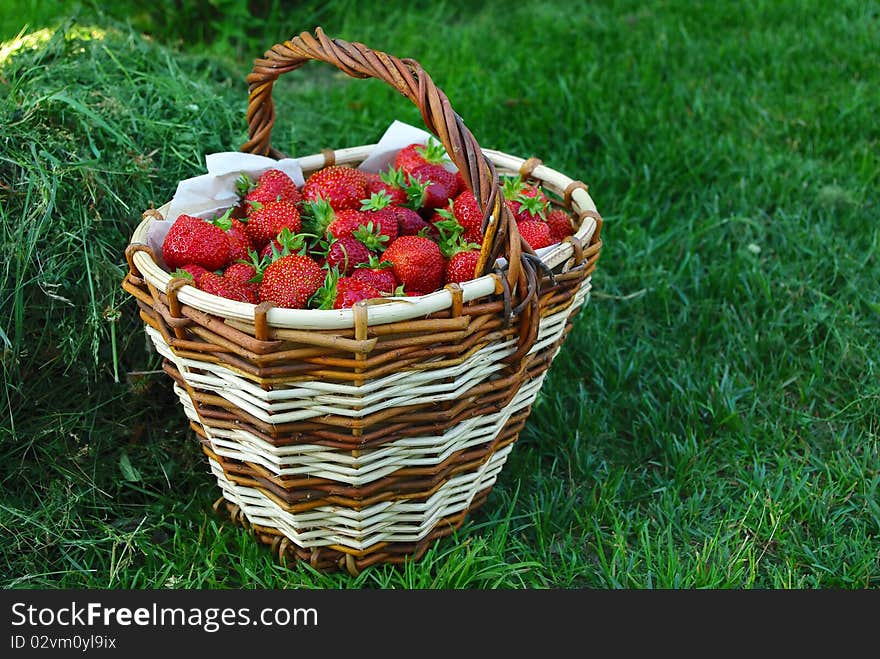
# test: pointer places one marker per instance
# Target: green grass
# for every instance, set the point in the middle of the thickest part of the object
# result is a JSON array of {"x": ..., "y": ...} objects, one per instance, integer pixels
[{"x": 712, "y": 420}]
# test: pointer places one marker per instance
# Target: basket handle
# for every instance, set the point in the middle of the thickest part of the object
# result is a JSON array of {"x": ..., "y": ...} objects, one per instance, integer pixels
[{"x": 502, "y": 239}]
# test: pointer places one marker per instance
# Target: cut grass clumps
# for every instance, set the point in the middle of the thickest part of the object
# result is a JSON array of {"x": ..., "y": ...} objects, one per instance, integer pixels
[{"x": 96, "y": 125}]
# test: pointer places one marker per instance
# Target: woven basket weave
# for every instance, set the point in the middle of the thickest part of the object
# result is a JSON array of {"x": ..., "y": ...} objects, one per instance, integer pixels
[{"x": 358, "y": 436}]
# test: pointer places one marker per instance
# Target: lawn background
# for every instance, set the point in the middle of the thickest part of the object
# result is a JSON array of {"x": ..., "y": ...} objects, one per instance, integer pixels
[{"x": 712, "y": 419}]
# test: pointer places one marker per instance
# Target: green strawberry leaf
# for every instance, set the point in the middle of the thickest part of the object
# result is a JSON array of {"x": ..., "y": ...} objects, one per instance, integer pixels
[
  {"x": 224, "y": 221},
  {"x": 377, "y": 201},
  {"x": 244, "y": 184},
  {"x": 511, "y": 186},
  {"x": 415, "y": 190},
  {"x": 432, "y": 151},
  {"x": 325, "y": 296},
  {"x": 372, "y": 237}
]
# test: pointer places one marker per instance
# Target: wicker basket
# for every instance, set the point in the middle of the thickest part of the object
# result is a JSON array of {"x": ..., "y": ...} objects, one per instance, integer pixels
[{"x": 352, "y": 437}]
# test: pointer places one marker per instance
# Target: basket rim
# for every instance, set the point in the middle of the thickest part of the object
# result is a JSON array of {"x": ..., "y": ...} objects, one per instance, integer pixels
[{"x": 396, "y": 309}]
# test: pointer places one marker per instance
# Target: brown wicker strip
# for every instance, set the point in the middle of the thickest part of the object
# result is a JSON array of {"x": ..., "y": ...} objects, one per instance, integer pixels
[{"x": 528, "y": 167}]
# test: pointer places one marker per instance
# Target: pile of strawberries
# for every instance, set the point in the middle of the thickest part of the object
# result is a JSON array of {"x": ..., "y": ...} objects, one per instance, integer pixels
[{"x": 348, "y": 235}]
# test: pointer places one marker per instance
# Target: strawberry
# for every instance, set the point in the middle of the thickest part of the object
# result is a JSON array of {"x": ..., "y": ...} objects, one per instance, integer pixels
[
  {"x": 239, "y": 242},
  {"x": 409, "y": 222},
  {"x": 339, "y": 292},
  {"x": 526, "y": 201},
  {"x": 265, "y": 221},
  {"x": 350, "y": 290},
  {"x": 375, "y": 236},
  {"x": 526, "y": 208},
  {"x": 192, "y": 240},
  {"x": 392, "y": 182},
  {"x": 342, "y": 186},
  {"x": 462, "y": 266},
  {"x": 376, "y": 273},
  {"x": 190, "y": 271},
  {"x": 441, "y": 184},
  {"x": 375, "y": 225},
  {"x": 291, "y": 281},
  {"x": 345, "y": 223},
  {"x": 460, "y": 185},
  {"x": 379, "y": 211},
  {"x": 535, "y": 233},
  {"x": 560, "y": 225},
  {"x": 415, "y": 155},
  {"x": 283, "y": 244},
  {"x": 417, "y": 263},
  {"x": 248, "y": 275},
  {"x": 448, "y": 231},
  {"x": 461, "y": 256},
  {"x": 216, "y": 284},
  {"x": 271, "y": 185},
  {"x": 317, "y": 215},
  {"x": 241, "y": 271},
  {"x": 345, "y": 254},
  {"x": 468, "y": 214}
]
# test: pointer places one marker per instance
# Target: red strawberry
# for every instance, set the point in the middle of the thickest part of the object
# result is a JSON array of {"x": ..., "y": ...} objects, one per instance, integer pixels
[
  {"x": 391, "y": 182},
  {"x": 192, "y": 240},
  {"x": 345, "y": 223},
  {"x": 191, "y": 271},
  {"x": 245, "y": 274},
  {"x": 467, "y": 211},
  {"x": 342, "y": 186},
  {"x": 525, "y": 208},
  {"x": 535, "y": 233},
  {"x": 240, "y": 271},
  {"x": 442, "y": 185},
  {"x": 376, "y": 273},
  {"x": 417, "y": 263},
  {"x": 265, "y": 222},
  {"x": 239, "y": 243},
  {"x": 560, "y": 225},
  {"x": 448, "y": 232},
  {"x": 291, "y": 281},
  {"x": 378, "y": 211},
  {"x": 375, "y": 225},
  {"x": 271, "y": 185},
  {"x": 460, "y": 185},
  {"x": 525, "y": 200},
  {"x": 229, "y": 288},
  {"x": 415, "y": 155},
  {"x": 350, "y": 290},
  {"x": 283, "y": 244},
  {"x": 338, "y": 292},
  {"x": 409, "y": 222},
  {"x": 461, "y": 267},
  {"x": 346, "y": 253}
]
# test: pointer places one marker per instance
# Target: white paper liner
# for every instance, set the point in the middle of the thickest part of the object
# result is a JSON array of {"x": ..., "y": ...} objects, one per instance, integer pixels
[
  {"x": 397, "y": 136},
  {"x": 210, "y": 194}
]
